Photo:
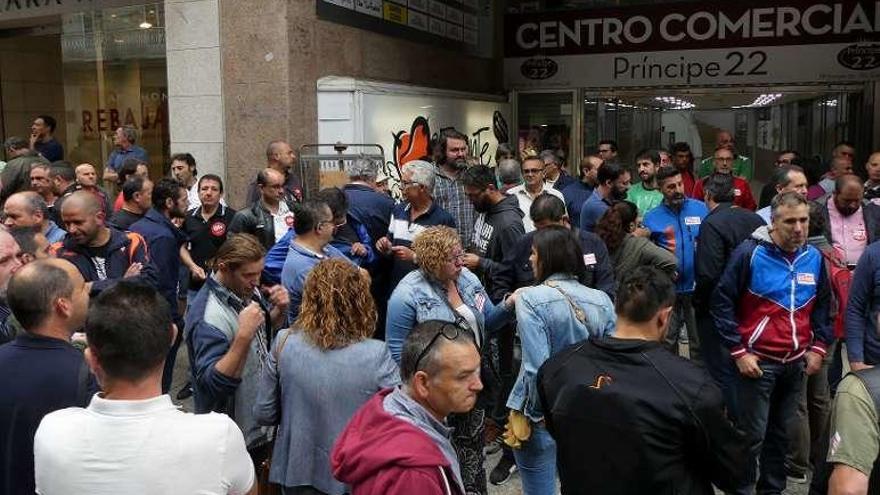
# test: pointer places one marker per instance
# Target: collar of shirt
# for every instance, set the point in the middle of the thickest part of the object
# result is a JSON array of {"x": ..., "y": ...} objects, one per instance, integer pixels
[
  {"x": 218, "y": 213},
  {"x": 110, "y": 407}
]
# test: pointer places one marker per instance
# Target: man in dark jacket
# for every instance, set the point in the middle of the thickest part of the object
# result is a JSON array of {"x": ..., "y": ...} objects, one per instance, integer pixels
[
  {"x": 723, "y": 229},
  {"x": 398, "y": 443},
  {"x": 270, "y": 217},
  {"x": 103, "y": 255},
  {"x": 164, "y": 239},
  {"x": 659, "y": 418},
  {"x": 771, "y": 309},
  {"x": 499, "y": 223},
  {"x": 16, "y": 176},
  {"x": 516, "y": 271},
  {"x": 40, "y": 371}
]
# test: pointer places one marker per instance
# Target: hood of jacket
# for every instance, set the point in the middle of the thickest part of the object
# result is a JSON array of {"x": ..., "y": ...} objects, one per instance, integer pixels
[
  {"x": 508, "y": 204},
  {"x": 762, "y": 234},
  {"x": 376, "y": 441}
]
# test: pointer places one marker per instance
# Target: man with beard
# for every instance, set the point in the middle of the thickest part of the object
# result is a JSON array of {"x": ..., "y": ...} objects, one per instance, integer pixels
[
  {"x": 742, "y": 192},
  {"x": 613, "y": 185},
  {"x": 448, "y": 191},
  {"x": 499, "y": 222},
  {"x": 532, "y": 187},
  {"x": 851, "y": 225},
  {"x": 165, "y": 241},
  {"x": 645, "y": 194},
  {"x": 103, "y": 255},
  {"x": 675, "y": 226}
]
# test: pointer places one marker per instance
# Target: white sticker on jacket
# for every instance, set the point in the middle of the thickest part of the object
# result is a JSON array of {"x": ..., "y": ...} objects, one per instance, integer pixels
[
  {"x": 590, "y": 259},
  {"x": 692, "y": 220},
  {"x": 737, "y": 192},
  {"x": 480, "y": 301},
  {"x": 806, "y": 279}
]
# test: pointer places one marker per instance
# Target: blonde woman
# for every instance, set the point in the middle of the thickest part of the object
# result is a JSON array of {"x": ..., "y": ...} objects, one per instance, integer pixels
[{"x": 319, "y": 372}]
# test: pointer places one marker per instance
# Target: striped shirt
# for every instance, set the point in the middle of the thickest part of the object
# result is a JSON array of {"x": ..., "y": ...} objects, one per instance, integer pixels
[{"x": 402, "y": 230}]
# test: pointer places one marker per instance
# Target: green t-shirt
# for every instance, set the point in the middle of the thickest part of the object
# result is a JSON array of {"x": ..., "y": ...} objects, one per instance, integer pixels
[
  {"x": 645, "y": 199},
  {"x": 855, "y": 435},
  {"x": 742, "y": 167}
]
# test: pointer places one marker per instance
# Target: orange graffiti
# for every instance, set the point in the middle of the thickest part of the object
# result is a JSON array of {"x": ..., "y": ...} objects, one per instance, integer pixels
[
  {"x": 601, "y": 381},
  {"x": 414, "y": 144}
]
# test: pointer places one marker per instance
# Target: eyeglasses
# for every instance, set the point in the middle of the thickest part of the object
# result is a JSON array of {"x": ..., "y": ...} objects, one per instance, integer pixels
[
  {"x": 449, "y": 331},
  {"x": 604, "y": 150},
  {"x": 724, "y": 159},
  {"x": 532, "y": 171},
  {"x": 407, "y": 183},
  {"x": 456, "y": 258}
]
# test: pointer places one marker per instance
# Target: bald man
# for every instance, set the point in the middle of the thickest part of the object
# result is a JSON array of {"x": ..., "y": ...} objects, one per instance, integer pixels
[
  {"x": 40, "y": 371},
  {"x": 10, "y": 262},
  {"x": 742, "y": 165},
  {"x": 281, "y": 157},
  {"x": 850, "y": 225},
  {"x": 102, "y": 254},
  {"x": 269, "y": 218},
  {"x": 27, "y": 209},
  {"x": 87, "y": 180}
]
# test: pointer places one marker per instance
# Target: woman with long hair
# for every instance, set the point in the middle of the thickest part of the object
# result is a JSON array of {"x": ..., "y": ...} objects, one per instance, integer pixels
[
  {"x": 555, "y": 313},
  {"x": 319, "y": 372},
  {"x": 617, "y": 228}
]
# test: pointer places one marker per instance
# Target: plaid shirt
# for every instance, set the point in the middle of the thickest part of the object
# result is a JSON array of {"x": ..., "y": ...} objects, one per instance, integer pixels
[{"x": 449, "y": 194}]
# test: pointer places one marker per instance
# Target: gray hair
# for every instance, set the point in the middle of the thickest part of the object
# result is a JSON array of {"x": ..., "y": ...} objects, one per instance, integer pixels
[
  {"x": 789, "y": 199},
  {"x": 782, "y": 176},
  {"x": 362, "y": 168},
  {"x": 34, "y": 203},
  {"x": 418, "y": 340},
  {"x": 130, "y": 133},
  {"x": 549, "y": 156},
  {"x": 509, "y": 171},
  {"x": 422, "y": 173},
  {"x": 15, "y": 143}
]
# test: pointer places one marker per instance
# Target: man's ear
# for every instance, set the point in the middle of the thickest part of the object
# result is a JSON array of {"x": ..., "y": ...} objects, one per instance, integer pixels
[
  {"x": 419, "y": 384},
  {"x": 663, "y": 317},
  {"x": 94, "y": 365}
]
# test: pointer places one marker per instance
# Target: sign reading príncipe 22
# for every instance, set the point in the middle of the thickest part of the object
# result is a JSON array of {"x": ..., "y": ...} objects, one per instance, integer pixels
[{"x": 695, "y": 43}]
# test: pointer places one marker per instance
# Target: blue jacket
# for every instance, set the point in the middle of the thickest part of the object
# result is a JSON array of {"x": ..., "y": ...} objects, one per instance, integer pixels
[
  {"x": 369, "y": 208},
  {"x": 863, "y": 308},
  {"x": 546, "y": 324},
  {"x": 576, "y": 194},
  {"x": 771, "y": 303},
  {"x": 211, "y": 326},
  {"x": 124, "y": 249},
  {"x": 417, "y": 299},
  {"x": 54, "y": 233},
  {"x": 297, "y": 266},
  {"x": 164, "y": 240},
  {"x": 678, "y": 233},
  {"x": 592, "y": 210}
]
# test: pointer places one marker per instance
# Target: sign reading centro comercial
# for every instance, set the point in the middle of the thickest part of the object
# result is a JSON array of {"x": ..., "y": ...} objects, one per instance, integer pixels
[{"x": 695, "y": 43}]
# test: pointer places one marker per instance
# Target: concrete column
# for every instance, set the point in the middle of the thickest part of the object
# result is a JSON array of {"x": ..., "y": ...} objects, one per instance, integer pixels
[{"x": 195, "y": 91}]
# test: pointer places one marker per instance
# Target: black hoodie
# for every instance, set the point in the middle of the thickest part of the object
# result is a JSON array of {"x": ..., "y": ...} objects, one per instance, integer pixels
[{"x": 496, "y": 231}]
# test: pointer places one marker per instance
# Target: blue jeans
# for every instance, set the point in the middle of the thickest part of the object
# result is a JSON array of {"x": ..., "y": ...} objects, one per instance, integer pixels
[
  {"x": 536, "y": 461},
  {"x": 765, "y": 406}
]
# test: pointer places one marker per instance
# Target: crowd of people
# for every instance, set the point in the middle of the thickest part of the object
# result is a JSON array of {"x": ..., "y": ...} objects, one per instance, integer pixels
[{"x": 672, "y": 336}]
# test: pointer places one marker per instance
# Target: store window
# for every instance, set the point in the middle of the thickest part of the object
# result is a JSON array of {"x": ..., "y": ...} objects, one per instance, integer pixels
[
  {"x": 545, "y": 122},
  {"x": 93, "y": 72}
]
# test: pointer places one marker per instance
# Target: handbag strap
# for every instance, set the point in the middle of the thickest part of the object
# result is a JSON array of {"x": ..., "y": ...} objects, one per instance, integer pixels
[{"x": 578, "y": 311}]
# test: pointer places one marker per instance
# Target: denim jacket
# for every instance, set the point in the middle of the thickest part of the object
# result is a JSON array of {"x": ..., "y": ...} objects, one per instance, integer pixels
[
  {"x": 547, "y": 324},
  {"x": 417, "y": 299}
]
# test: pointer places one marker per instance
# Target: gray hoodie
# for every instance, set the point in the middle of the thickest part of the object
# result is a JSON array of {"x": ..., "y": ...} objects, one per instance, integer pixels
[{"x": 400, "y": 405}]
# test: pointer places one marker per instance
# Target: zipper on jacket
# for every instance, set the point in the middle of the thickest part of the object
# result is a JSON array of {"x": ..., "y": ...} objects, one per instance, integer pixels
[{"x": 759, "y": 330}]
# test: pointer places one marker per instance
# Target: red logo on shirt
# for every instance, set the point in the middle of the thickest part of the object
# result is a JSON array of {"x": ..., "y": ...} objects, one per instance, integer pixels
[
  {"x": 218, "y": 229},
  {"x": 289, "y": 221}
]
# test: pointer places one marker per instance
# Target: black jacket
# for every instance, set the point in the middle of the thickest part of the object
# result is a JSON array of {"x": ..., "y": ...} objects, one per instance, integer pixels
[
  {"x": 124, "y": 248},
  {"x": 629, "y": 417},
  {"x": 496, "y": 232},
  {"x": 723, "y": 229},
  {"x": 257, "y": 221},
  {"x": 516, "y": 271}
]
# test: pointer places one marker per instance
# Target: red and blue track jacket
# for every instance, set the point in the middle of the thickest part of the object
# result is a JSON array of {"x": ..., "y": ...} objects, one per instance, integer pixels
[{"x": 772, "y": 303}]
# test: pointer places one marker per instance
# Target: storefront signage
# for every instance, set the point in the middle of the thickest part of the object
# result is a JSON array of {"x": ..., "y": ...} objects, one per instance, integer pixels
[
  {"x": 23, "y": 9},
  {"x": 695, "y": 43},
  {"x": 462, "y": 24}
]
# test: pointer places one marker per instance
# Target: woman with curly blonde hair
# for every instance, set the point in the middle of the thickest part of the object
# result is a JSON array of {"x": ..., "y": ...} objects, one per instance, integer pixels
[
  {"x": 319, "y": 372},
  {"x": 444, "y": 289}
]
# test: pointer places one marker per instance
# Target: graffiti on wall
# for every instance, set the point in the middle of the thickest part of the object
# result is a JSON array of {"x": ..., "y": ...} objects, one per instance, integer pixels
[{"x": 415, "y": 144}]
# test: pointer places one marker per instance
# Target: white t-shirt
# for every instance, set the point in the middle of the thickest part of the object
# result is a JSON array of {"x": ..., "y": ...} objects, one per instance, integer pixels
[
  {"x": 283, "y": 220},
  {"x": 139, "y": 447},
  {"x": 525, "y": 202}
]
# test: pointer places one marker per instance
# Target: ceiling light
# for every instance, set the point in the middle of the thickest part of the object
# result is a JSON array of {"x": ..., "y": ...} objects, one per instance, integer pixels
[
  {"x": 761, "y": 101},
  {"x": 145, "y": 25},
  {"x": 674, "y": 103}
]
